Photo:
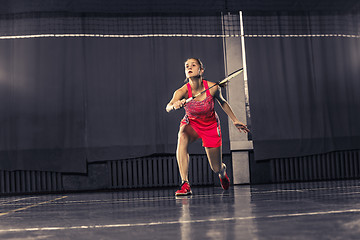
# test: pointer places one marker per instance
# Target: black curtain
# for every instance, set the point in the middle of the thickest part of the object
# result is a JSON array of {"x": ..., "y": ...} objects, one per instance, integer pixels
[
  {"x": 42, "y": 105},
  {"x": 129, "y": 83},
  {"x": 66, "y": 101},
  {"x": 172, "y": 6},
  {"x": 304, "y": 82}
]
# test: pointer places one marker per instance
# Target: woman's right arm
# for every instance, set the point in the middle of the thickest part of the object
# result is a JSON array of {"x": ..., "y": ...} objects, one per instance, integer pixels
[{"x": 178, "y": 100}]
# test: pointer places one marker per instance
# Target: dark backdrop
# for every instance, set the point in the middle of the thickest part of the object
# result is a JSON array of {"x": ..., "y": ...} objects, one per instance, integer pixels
[
  {"x": 173, "y": 6},
  {"x": 304, "y": 82},
  {"x": 65, "y": 101}
]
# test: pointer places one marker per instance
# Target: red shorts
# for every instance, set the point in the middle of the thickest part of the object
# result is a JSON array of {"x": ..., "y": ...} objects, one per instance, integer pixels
[{"x": 209, "y": 132}]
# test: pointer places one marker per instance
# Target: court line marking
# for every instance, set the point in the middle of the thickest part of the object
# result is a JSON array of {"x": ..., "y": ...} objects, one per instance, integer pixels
[
  {"x": 31, "y": 206},
  {"x": 56, "y": 35},
  {"x": 195, "y": 197},
  {"x": 142, "y": 199},
  {"x": 304, "y": 189},
  {"x": 177, "y": 222},
  {"x": 16, "y": 200}
]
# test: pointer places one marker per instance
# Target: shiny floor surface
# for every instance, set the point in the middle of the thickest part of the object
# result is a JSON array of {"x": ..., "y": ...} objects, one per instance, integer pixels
[{"x": 316, "y": 210}]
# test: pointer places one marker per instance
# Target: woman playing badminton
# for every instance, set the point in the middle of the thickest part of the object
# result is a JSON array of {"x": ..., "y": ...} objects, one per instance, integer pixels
[{"x": 200, "y": 121}]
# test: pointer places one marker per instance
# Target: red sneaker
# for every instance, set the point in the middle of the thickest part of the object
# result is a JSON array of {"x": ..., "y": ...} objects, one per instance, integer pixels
[
  {"x": 225, "y": 182},
  {"x": 184, "y": 190}
]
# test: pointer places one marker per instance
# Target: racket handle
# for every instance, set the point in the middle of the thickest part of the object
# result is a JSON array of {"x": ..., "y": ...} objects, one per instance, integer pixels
[{"x": 189, "y": 99}]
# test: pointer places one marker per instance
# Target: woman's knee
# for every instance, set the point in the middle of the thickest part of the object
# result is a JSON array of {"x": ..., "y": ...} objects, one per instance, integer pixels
[
  {"x": 183, "y": 137},
  {"x": 186, "y": 135}
]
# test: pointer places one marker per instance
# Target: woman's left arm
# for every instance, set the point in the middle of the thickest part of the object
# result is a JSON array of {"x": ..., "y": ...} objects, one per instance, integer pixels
[{"x": 227, "y": 109}]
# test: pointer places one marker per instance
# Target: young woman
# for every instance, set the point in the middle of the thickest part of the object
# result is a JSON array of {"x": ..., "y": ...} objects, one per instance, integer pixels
[{"x": 200, "y": 121}]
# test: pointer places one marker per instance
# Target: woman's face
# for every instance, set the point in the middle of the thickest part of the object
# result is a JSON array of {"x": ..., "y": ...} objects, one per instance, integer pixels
[{"x": 193, "y": 68}]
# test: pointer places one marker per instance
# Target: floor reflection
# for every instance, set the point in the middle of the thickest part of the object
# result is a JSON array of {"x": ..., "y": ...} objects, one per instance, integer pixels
[
  {"x": 310, "y": 210},
  {"x": 184, "y": 220},
  {"x": 317, "y": 210}
]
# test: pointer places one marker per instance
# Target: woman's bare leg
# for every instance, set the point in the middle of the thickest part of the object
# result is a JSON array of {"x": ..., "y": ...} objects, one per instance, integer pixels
[
  {"x": 215, "y": 158},
  {"x": 186, "y": 136}
]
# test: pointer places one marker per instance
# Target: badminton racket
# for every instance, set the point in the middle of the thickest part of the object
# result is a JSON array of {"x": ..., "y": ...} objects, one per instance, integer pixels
[{"x": 224, "y": 81}]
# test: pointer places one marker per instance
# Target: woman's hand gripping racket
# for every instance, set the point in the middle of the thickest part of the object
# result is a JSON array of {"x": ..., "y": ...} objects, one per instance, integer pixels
[{"x": 222, "y": 82}]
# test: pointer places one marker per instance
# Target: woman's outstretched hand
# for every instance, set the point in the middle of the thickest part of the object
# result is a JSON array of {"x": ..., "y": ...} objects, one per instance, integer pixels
[{"x": 241, "y": 127}]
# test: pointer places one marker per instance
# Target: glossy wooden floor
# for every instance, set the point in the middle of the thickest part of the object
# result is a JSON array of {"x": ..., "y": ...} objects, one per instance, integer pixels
[{"x": 317, "y": 210}]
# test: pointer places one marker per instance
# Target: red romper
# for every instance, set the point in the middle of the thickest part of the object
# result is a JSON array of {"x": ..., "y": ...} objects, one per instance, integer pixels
[{"x": 201, "y": 116}]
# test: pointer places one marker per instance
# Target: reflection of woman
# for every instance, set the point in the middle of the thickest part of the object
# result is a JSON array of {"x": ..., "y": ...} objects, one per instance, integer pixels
[{"x": 200, "y": 121}]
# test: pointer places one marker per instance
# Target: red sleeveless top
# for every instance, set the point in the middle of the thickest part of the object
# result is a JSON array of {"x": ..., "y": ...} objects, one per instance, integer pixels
[{"x": 201, "y": 112}]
